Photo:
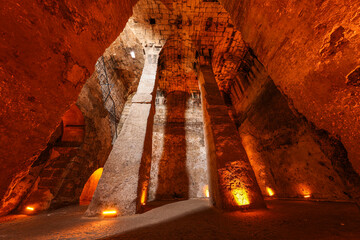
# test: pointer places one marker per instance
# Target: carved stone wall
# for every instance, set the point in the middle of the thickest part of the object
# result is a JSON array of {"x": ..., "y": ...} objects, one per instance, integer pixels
[{"x": 179, "y": 166}]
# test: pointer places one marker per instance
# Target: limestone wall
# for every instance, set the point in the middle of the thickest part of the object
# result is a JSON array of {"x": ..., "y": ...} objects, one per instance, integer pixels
[{"x": 179, "y": 166}]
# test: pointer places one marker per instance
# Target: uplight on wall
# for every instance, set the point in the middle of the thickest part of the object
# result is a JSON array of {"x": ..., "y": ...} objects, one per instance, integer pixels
[
  {"x": 270, "y": 192},
  {"x": 305, "y": 190},
  {"x": 132, "y": 53},
  {"x": 30, "y": 209},
  {"x": 207, "y": 194},
  {"x": 109, "y": 213},
  {"x": 143, "y": 197},
  {"x": 206, "y": 191},
  {"x": 240, "y": 197}
]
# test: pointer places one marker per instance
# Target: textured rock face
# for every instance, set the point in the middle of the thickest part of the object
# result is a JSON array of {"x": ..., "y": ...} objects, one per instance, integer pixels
[
  {"x": 286, "y": 152},
  {"x": 308, "y": 49},
  {"x": 232, "y": 181},
  {"x": 95, "y": 149},
  {"x": 48, "y": 50},
  {"x": 119, "y": 73},
  {"x": 179, "y": 166},
  {"x": 61, "y": 176}
]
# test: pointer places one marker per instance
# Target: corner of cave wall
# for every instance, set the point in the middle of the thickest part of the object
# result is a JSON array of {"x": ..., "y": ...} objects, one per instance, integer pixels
[
  {"x": 58, "y": 175},
  {"x": 310, "y": 50},
  {"x": 51, "y": 66},
  {"x": 287, "y": 153},
  {"x": 54, "y": 54}
]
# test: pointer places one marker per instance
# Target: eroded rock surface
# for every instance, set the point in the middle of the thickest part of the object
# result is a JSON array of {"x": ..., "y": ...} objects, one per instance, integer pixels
[
  {"x": 48, "y": 51},
  {"x": 288, "y": 154},
  {"x": 308, "y": 49}
]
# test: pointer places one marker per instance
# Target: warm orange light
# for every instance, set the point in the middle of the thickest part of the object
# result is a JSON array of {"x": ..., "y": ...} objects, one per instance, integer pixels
[
  {"x": 270, "y": 191},
  {"x": 206, "y": 191},
  {"x": 305, "y": 191},
  {"x": 90, "y": 187},
  {"x": 109, "y": 213},
  {"x": 30, "y": 208},
  {"x": 143, "y": 197},
  {"x": 240, "y": 196}
]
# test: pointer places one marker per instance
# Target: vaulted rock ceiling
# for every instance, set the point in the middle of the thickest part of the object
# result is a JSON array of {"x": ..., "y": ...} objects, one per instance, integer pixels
[{"x": 191, "y": 29}]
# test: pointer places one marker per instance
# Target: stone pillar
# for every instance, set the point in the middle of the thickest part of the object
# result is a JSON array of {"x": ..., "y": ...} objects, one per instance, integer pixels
[
  {"x": 124, "y": 183},
  {"x": 233, "y": 185}
]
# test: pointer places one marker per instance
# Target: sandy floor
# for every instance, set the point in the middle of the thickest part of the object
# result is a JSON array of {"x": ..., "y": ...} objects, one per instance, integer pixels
[{"x": 195, "y": 219}]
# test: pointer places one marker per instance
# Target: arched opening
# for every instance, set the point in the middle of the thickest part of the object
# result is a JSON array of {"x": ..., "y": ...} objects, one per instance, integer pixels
[{"x": 90, "y": 187}]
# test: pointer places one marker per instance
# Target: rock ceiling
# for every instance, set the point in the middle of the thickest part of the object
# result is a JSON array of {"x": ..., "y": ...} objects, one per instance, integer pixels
[{"x": 191, "y": 29}]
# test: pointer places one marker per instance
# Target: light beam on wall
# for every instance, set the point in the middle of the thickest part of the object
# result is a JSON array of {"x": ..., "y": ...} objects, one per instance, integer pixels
[{"x": 240, "y": 196}]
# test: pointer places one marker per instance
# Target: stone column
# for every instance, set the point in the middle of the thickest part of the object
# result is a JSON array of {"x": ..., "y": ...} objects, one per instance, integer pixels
[
  {"x": 233, "y": 185},
  {"x": 124, "y": 183}
]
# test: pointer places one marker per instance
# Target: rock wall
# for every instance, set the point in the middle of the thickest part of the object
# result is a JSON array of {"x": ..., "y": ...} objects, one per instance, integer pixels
[
  {"x": 179, "y": 165},
  {"x": 65, "y": 171},
  {"x": 311, "y": 50},
  {"x": 122, "y": 72},
  {"x": 287, "y": 152},
  {"x": 49, "y": 49},
  {"x": 60, "y": 179},
  {"x": 95, "y": 149}
]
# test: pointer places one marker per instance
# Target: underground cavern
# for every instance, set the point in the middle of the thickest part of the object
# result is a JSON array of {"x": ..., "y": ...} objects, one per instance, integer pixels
[{"x": 180, "y": 119}]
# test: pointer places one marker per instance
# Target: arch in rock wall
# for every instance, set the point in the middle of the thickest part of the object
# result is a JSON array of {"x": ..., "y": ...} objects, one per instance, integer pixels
[{"x": 90, "y": 187}]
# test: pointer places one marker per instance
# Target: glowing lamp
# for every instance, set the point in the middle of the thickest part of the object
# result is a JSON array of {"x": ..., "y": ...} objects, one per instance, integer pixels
[
  {"x": 31, "y": 209},
  {"x": 143, "y": 197},
  {"x": 270, "y": 191},
  {"x": 206, "y": 191},
  {"x": 240, "y": 197},
  {"x": 109, "y": 213},
  {"x": 132, "y": 53},
  {"x": 304, "y": 190}
]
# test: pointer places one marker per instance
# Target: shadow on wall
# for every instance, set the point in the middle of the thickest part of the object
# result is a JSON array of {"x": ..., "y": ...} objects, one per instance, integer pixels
[{"x": 173, "y": 179}]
